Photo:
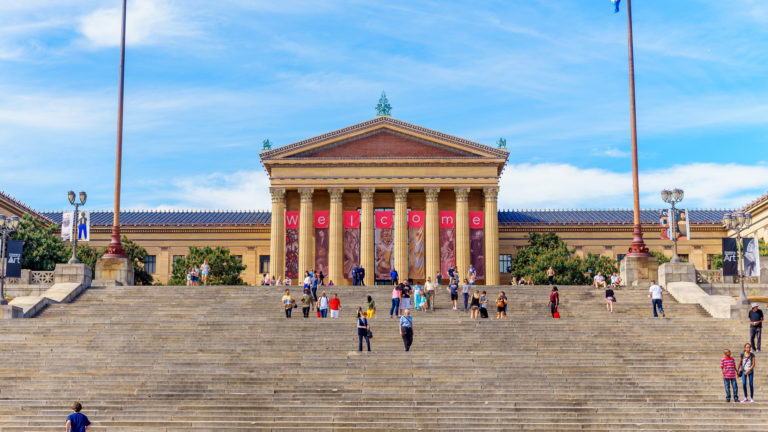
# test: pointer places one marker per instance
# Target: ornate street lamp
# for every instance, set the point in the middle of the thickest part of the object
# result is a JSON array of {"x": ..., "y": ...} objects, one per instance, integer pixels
[
  {"x": 7, "y": 225},
  {"x": 673, "y": 197},
  {"x": 739, "y": 221},
  {"x": 83, "y": 197}
]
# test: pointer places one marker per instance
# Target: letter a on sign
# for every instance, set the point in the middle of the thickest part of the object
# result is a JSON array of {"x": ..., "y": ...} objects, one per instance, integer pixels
[{"x": 291, "y": 220}]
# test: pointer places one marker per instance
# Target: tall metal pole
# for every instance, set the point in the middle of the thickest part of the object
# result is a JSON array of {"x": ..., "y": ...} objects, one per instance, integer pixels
[
  {"x": 743, "y": 296},
  {"x": 115, "y": 248},
  {"x": 674, "y": 232},
  {"x": 3, "y": 301},
  {"x": 638, "y": 248},
  {"x": 74, "y": 259}
]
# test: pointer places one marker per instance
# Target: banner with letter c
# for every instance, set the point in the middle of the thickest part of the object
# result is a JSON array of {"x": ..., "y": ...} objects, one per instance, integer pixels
[{"x": 384, "y": 241}]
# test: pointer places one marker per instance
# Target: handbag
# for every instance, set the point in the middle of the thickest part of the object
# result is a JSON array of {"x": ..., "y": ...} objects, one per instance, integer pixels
[
  {"x": 739, "y": 373},
  {"x": 556, "y": 315},
  {"x": 318, "y": 313},
  {"x": 370, "y": 334}
]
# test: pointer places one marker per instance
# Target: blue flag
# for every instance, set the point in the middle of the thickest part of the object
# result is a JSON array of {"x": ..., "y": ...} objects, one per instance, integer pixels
[{"x": 616, "y": 3}]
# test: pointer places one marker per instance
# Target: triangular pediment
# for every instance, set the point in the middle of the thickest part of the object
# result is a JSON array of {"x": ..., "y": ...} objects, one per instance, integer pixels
[{"x": 384, "y": 137}]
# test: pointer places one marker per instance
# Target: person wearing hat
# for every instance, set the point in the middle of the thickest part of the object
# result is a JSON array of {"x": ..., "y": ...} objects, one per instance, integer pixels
[{"x": 755, "y": 326}]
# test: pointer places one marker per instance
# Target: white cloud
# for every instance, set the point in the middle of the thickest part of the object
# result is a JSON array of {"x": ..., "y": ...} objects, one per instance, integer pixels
[
  {"x": 614, "y": 153},
  {"x": 54, "y": 112},
  {"x": 706, "y": 185},
  {"x": 241, "y": 190},
  {"x": 148, "y": 22}
]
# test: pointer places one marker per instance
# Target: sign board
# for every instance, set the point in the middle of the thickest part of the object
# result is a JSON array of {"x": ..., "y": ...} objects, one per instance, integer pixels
[
  {"x": 13, "y": 254},
  {"x": 67, "y": 220},
  {"x": 84, "y": 226}
]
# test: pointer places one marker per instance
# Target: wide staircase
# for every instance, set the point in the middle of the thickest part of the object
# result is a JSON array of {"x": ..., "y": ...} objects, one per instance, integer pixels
[{"x": 226, "y": 359}]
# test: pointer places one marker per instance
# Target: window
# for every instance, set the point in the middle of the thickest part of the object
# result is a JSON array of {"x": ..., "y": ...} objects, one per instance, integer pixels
[
  {"x": 620, "y": 257},
  {"x": 240, "y": 257},
  {"x": 683, "y": 257},
  {"x": 505, "y": 263},
  {"x": 149, "y": 263},
  {"x": 264, "y": 264},
  {"x": 177, "y": 258}
]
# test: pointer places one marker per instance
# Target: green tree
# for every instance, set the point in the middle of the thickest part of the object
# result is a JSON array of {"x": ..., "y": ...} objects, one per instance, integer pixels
[
  {"x": 225, "y": 269},
  {"x": 661, "y": 257},
  {"x": 43, "y": 248},
  {"x": 545, "y": 250},
  {"x": 763, "y": 247},
  {"x": 136, "y": 254}
]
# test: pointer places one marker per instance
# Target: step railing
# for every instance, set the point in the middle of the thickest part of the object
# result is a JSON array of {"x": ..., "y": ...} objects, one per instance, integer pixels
[{"x": 32, "y": 277}]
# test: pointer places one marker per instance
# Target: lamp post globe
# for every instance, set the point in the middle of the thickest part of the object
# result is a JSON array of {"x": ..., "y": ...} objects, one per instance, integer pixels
[
  {"x": 14, "y": 223},
  {"x": 665, "y": 195},
  {"x": 678, "y": 194},
  {"x": 71, "y": 197},
  {"x": 83, "y": 197}
]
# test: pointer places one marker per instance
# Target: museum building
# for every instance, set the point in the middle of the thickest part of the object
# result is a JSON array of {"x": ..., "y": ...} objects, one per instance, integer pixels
[{"x": 386, "y": 194}]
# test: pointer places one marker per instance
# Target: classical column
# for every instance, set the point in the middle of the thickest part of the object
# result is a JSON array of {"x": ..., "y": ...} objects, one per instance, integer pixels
[
  {"x": 366, "y": 234},
  {"x": 462, "y": 231},
  {"x": 336, "y": 238},
  {"x": 277, "y": 233},
  {"x": 306, "y": 234},
  {"x": 401, "y": 232},
  {"x": 433, "y": 232},
  {"x": 491, "y": 227}
]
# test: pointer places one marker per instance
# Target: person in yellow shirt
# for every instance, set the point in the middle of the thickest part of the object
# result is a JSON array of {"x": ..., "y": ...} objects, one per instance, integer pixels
[{"x": 288, "y": 303}]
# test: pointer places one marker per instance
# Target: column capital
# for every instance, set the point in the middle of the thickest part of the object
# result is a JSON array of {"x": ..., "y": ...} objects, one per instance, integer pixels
[
  {"x": 401, "y": 193},
  {"x": 278, "y": 194},
  {"x": 491, "y": 193},
  {"x": 306, "y": 193},
  {"x": 366, "y": 194},
  {"x": 336, "y": 194},
  {"x": 432, "y": 193},
  {"x": 462, "y": 193}
]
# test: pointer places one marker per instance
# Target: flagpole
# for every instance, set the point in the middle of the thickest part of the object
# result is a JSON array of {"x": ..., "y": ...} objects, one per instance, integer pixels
[
  {"x": 115, "y": 248},
  {"x": 638, "y": 248}
]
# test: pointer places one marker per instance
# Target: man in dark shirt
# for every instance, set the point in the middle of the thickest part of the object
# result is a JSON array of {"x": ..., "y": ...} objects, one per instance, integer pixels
[
  {"x": 361, "y": 276},
  {"x": 755, "y": 326},
  {"x": 77, "y": 422},
  {"x": 354, "y": 275},
  {"x": 453, "y": 289}
]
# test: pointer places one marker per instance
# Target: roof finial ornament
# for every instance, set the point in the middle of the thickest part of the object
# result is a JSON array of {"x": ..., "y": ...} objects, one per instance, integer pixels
[
  {"x": 383, "y": 109},
  {"x": 266, "y": 144},
  {"x": 502, "y": 143}
]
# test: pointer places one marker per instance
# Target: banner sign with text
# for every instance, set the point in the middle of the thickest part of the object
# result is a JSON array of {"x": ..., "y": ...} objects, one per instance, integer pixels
[
  {"x": 291, "y": 246},
  {"x": 67, "y": 221},
  {"x": 477, "y": 244},
  {"x": 351, "y": 242},
  {"x": 321, "y": 242},
  {"x": 447, "y": 242},
  {"x": 416, "y": 253},
  {"x": 13, "y": 254},
  {"x": 751, "y": 257},
  {"x": 730, "y": 257},
  {"x": 384, "y": 244},
  {"x": 84, "y": 226}
]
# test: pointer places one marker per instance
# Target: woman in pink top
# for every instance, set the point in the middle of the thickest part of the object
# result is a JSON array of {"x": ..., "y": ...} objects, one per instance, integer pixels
[{"x": 395, "y": 309}]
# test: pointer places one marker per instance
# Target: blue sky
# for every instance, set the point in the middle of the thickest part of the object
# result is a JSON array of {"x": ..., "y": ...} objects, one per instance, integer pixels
[{"x": 206, "y": 82}]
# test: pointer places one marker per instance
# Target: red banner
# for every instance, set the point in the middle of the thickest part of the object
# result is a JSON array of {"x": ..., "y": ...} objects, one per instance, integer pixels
[
  {"x": 475, "y": 220},
  {"x": 415, "y": 219},
  {"x": 351, "y": 219},
  {"x": 291, "y": 220},
  {"x": 384, "y": 219},
  {"x": 321, "y": 218},
  {"x": 447, "y": 219}
]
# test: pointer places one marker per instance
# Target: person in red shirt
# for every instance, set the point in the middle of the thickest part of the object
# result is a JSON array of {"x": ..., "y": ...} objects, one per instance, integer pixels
[
  {"x": 335, "y": 305},
  {"x": 554, "y": 301},
  {"x": 728, "y": 366}
]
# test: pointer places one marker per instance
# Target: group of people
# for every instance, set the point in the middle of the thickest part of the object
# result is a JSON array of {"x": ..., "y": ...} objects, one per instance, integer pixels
[
  {"x": 599, "y": 280},
  {"x": 746, "y": 367},
  {"x": 309, "y": 301},
  {"x": 196, "y": 274}
]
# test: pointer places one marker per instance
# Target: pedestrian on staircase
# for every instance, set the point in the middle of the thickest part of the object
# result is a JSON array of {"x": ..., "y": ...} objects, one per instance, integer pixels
[
  {"x": 501, "y": 306},
  {"x": 395, "y": 309},
  {"x": 205, "y": 269},
  {"x": 747, "y": 372},
  {"x": 453, "y": 290},
  {"x": 335, "y": 305},
  {"x": 656, "y": 296},
  {"x": 551, "y": 276},
  {"x": 371, "y": 307},
  {"x": 728, "y": 366},
  {"x": 322, "y": 305},
  {"x": 406, "y": 329},
  {"x": 465, "y": 293},
  {"x": 554, "y": 301},
  {"x": 289, "y": 303},
  {"x": 755, "y": 326},
  {"x": 77, "y": 421},
  {"x": 429, "y": 290},
  {"x": 405, "y": 297},
  {"x": 484, "y": 305},
  {"x": 307, "y": 302},
  {"x": 610, "y": 297},
  {"x": 362, "y": 330},
  {"x": 314, "y": 282},
  {"x": 475, "y": 304}
]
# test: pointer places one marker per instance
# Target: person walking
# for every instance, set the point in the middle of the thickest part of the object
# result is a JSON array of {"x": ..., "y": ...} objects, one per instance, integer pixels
[
  {"x": 501, "y": 305},
  {"x": 406, "y": 329},
  {"x": 205, "y": 269},
  {"x": 395, "y": 309},
  {"x": 475, "y": 305},
  {"x": 354, "y": 275},
  {"x": 314, "y": 282},
  {"x": 746, "y": 372},
  {"x": 430, "y": 288},
  {"x": 307, "y": 302},
  {"x": 453, "y": 290},
  {"x": 471, "y": 274},
  {"x": 609, "y": 299},
  {"x": 483, "y": 305},
  {"x": 728, "y": 366},
  {"x": 322, "y": 305},
  {"x": 321, "y": 278},
  {"x": 465, "y": 293},
  {"x": 77, "y": 421},
  {"x": 417, "y": 297},
  {"x": 551, "y": 275},
  {"x": 393, "y": 276},
  {"x": 506, "y": 303},
  {"x": 755, "y": 326},
  {"x": 656, "y": 295},
  {"x": 335, "y": 305},
  {"x": 554, "y": 301},
  {"x": 405, "y": 297},
  {"x": 288, "y": 303},
  {"x": 308, "y": 281},
  {"x": 371, "y": 305},
  {"x": 438, "y": 278},
  {"x": 361, "y": 276},
  {"x": 362, "y": 330}
]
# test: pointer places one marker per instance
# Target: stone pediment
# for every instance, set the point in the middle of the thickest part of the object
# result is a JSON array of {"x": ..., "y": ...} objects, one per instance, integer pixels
[{"x": 383, "y": 137}]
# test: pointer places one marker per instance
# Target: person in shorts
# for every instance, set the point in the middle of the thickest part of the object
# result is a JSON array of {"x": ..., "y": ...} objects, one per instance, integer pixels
[
  {"x": 453, "y": 289},
  {"x": 501, "y": 305},
  {"x": 77, "y": 421},
  {"x": 609, "y": 299},
  {"x": 335, "y": 305},
  {"x": 204, "y": 270},
  {"x": 405, "y": 299}
]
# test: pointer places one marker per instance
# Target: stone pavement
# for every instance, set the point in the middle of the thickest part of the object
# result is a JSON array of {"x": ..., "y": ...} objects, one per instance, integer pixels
[{"x": 225, "y": 359}]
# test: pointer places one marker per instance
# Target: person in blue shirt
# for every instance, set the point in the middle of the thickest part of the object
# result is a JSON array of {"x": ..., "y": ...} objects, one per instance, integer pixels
[
  {"x": 406, "y": 329},
  {"x": 78, "y": 422},
  {"x": 361, "y": 275},
  {"x": 314, "y": 284},
  {"x": 393, "y": 275},
  {"x": 354, "y": 275}
]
